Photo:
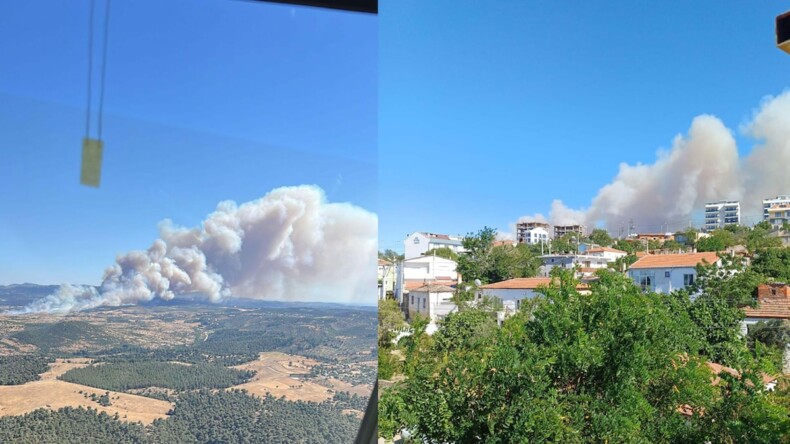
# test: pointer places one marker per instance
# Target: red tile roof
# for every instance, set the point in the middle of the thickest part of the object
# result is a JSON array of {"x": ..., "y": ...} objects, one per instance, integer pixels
[
  {"x": 674, "y": 260},
  {"x": 412, "y": 284},
  {"x": 519, "y": 284},
  {"x": 605, "y": 250},
  {"x": 435, "y": 288},
  {"x": 526, "y": 284},
  {"x": 770, "y": 306}
]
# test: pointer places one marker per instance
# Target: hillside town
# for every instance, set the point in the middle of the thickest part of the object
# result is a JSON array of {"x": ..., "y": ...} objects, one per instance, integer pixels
[{"x": 732, "y": 279}]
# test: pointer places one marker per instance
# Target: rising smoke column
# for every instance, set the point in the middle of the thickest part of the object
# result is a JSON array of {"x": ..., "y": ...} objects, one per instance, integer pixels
[
  {"x": 290, "y": 244},
  {"x": 701, "y": 166}
]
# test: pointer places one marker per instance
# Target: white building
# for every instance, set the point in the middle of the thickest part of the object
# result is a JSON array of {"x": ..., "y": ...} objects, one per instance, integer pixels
[
  {"x": 419, "y": 271},
  {"x": 607, "y": 253},
  {"x": 778, "y": 201},
  {"x": 418, "y": 243},
  {"x": 522, "y": 229},
  {"x": 386, "y": 278},
  {"x": 664, "y": 273},
  {"x": 534, "y": 236},
  {"x": 722, "y": 213},
  {"x": 512, "y": 292},
  {"x": 778, "y": 215},
  {"x": 432, "y": 300},
  {"x": 587, "y": 263}
]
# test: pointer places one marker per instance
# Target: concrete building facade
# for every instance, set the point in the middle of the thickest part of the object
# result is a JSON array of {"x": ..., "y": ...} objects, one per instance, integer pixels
[{"x": 722, "y": 213}]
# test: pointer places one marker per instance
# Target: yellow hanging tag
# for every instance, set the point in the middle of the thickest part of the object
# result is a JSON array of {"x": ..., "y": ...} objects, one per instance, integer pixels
[{"x": 91, "y": 162}]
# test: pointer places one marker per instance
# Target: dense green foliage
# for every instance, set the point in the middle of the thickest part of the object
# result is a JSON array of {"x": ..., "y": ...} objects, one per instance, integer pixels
[
  {"x": 444, "y": 252},
  {"x": 613, "y": 366},
  {"x": 601, "y": 237},
  {"x": 19, "y": 369},
  {"x": 135, "y": 375},
  {"x": 391, "y": 321},
  {"x": 69, "y": 426},
  {"x": 234, "y": 417},
  {"x": 773, "y": 264},
  {"x": 482, "y": 260}
]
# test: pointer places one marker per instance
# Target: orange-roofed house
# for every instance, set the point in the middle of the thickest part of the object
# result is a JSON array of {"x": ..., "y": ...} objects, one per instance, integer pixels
[
  {"x": 665, "y": 273},
  {"x": 512, "y": 292},
  {"x": 773, "y": 303}
]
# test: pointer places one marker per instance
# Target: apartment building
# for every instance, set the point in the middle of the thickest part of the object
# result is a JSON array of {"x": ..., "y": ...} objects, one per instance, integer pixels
[
  {"x": 722, "y": 213},
  {"x": 560, "y": 230},
  {"x": 776, "y": 201}
]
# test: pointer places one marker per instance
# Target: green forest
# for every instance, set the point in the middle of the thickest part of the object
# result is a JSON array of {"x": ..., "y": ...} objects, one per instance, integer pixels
[
  {"x": 198, "y": 417},
  {"x": 134, "y": 375},
  {"x": 19, "y": 369}
]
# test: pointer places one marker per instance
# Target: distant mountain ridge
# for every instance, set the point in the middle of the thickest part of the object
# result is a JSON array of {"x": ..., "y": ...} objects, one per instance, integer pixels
[{"x": 19, "y": 295}]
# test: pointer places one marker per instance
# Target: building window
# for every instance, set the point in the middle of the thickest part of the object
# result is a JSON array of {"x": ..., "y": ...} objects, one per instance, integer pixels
[
  {"x": 666, "y": 274},
  {"x": 646, "y": 283},
  {"x": 688, "y": 279},
  {"x": 423, "y": 302},
  {"x": 412, "y": 300}
]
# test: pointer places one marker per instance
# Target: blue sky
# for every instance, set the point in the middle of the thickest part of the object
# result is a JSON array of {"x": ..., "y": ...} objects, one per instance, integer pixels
[
  {"x": 489, "y": 111},
  {"x": 227, "y": 100}
]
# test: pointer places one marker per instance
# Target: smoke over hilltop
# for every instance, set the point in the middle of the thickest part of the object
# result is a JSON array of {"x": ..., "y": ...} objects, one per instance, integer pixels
[
  {"x": 288, "y": 245},
  {"x": 701, "y": 166}
]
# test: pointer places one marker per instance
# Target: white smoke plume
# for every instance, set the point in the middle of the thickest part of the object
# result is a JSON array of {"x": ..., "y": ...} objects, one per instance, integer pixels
[
  {"x": 701, "y": 166},
  {"x": 290, "y": 244}
]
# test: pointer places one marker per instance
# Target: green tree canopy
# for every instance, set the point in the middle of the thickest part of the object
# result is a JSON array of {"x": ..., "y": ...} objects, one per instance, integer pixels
[
  {"x": 719, "y": 240},
  {"x": 601, "y": 237},
  {"x": 444, "y": 252},
  {"x": 612, "y": 366},
  {"x": 773, "y": 264}
]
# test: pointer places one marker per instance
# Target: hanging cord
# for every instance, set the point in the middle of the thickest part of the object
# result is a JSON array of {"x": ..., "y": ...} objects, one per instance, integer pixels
[
  {"x": 103, "y": 64},
  {"x": 90, "y": 71}
]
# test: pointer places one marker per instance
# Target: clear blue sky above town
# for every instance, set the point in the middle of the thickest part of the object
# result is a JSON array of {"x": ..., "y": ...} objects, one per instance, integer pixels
[
  {"x": 490, "y": 110},
  {"x": 204, "y": 102}
]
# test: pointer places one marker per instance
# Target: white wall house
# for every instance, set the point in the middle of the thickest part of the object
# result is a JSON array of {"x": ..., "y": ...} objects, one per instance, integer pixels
[
  {"x": 664, "y": 273},
  {"x": 386, "y": 278},
  {"x": 418, "y": 243},
  {"x": 432, "y": 300},
  {"x": 512, "y": 292},
  {"x": 607, "y": 253},
  {"x": 418, "y": 271},
  {"x": 534, "y": 236},
  {"x": 587, "y": 263}
]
